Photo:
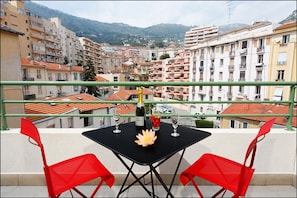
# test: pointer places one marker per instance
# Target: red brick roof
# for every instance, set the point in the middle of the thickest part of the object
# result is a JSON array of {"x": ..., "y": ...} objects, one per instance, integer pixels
[
  {"x": 261, "y": 109},
  {"x": 56, "y": 67},
  {"x": 31, "y": 63},
  {"x": 126, "y": 94},
  {"x": 60, "y": 108},
  {"x": 126, "y": 108},
  {"x": 287, "y": 25},
  {"x": 101, "y": 79}
]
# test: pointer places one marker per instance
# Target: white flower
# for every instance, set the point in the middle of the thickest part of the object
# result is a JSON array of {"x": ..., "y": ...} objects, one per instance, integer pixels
[{"x": 146, "y": 138}]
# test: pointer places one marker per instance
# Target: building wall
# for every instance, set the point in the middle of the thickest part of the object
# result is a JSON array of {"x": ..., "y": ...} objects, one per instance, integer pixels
[
  {"x": 10, "y": 67},
  {"x": 288, "y": 65}
]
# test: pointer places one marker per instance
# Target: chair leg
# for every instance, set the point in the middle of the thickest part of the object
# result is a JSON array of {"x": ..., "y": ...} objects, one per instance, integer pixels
[
  {"x": 196, "y": 187},
  {"x": 80, "y": 193},
  {"x": 219, "y": 192},
  {"x": 97, "y": 188}
]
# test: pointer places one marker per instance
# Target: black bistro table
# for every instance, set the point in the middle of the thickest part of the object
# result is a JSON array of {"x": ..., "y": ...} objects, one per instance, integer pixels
[{"x": 123, "y": 145}]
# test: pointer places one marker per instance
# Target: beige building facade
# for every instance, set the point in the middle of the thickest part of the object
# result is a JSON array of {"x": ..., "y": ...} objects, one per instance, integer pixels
[
  {"x": 283, "y": 66},
  {"x": 10, "y": 61}
]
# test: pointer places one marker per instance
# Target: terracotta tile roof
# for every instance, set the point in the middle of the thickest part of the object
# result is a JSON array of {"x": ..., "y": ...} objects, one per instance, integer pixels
[
  {"x": 77, "y": 68},
  {"x": 261, "y": 109},
  {"x": 126, "y": 94},
  {"x": 101, "y": 79},
  {"x": 287, "y": 25},
  {"x": 85, "y": 97},
  {"x": 31, "y": 63},
  {"x": 56, "y": 67},
  {"x": 60, "y": 108},
  {"x": 120, "y": 95},
  {"x": 127, "y": 108},
  {"x": 105, "y": 56}
]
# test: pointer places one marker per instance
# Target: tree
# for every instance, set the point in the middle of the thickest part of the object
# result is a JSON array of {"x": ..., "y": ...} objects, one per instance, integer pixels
[
  {"x": 164, "y": 56},
  {"x": 90, "y": 75},
  {"x": 66, "y": 60}
]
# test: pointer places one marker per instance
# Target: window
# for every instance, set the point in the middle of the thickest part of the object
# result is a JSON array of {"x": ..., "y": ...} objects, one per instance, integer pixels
[
  {"x": 261, "y": 43},
  {"x": 278, "y": 94},
  {"x": 115, "y": 79},
  {"x": 242, "y": 75},
  {"x": 243, "y": 61},
  {"x": 280, "y": 75},
  {"x": 221, "y": 76},
  {"x": 39, "y": 89},
  {"x": 222, "y": 49},
  {"x": 232, "y": 124},
  {"x": 221, "y": 62},
  {"x": 50, "y": 77},
  {"x": 282, "y": 58},
  {"x": 232, "y": 47},
  {"x": 260, "y": 58},
  {"x": 38, "y": 74},
  {"x": 245, "y": 125},
  {"x": 259, "y": 76},
  {"x": 244, "y": 45},
  {"x": 75, "y": 76},
  {"x": 241, "y": 89},
  {"x": 286, "y": 38}
]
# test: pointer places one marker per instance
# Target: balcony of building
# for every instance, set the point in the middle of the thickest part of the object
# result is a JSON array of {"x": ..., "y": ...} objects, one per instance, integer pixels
[{"x": 275, "y": 164}]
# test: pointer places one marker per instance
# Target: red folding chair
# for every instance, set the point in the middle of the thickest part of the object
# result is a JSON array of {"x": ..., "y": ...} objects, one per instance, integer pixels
[
  {"x": 228, "y": 174},
  {"x": 68, "y": 174}
]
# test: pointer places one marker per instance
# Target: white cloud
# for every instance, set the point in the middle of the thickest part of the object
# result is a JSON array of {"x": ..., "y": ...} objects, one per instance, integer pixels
[{"x": 147, "y": 13}]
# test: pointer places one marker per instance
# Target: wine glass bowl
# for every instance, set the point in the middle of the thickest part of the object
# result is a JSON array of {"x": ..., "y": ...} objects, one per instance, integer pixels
[
  {"x": 174, "y": 120},
  {"x": 155, "y": 119},
  {"x": 116, "y": 117}
]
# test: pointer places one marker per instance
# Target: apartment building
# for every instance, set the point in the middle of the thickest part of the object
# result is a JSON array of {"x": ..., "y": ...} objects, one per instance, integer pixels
[
  {"x": 46, "y": 71},
  {"x": 10, "y": 56},
  {"x": 239, "y": 55},
  {"x": 199, "y": 34},
  {"x": 92, "y": 51},
  {"x": 112, "y": 63},
  {"x": 44, "y": 40},
  {"x": 53, "y": 48},
  {"x": 283, "y": 60}
]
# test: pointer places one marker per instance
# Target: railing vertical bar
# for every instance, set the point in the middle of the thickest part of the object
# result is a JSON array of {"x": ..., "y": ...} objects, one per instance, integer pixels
[
  {"x": 4, "y": 125},
  {"x": 291, "y": 106}
]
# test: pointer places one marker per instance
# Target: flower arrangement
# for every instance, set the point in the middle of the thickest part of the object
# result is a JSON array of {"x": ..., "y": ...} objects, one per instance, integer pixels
[{"x": 147, "y": 138}]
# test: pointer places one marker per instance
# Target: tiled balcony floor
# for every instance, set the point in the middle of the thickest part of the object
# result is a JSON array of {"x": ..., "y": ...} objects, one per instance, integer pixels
[{"x": 137, "y": 191}]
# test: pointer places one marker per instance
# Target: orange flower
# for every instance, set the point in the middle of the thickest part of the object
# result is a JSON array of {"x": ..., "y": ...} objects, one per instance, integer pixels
[{"x": 146, "y": 138}]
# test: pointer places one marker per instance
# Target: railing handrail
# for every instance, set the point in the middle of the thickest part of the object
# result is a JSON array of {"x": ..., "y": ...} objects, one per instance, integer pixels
[{"x": 289, "y": 102}]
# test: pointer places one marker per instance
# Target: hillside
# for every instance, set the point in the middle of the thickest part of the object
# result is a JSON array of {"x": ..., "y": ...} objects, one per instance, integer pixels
[{"x": 119, "y": 33}]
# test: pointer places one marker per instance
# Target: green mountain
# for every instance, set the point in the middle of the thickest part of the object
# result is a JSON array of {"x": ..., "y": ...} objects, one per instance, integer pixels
[
  {"x": 119, "y": 33},
  {"x": 112, "y": 33}
]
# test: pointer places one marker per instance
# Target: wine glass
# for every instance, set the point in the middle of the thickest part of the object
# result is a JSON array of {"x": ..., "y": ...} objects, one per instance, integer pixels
[
  {"x": 116, "y": 117},
  {"x": 174, "y": 120}
]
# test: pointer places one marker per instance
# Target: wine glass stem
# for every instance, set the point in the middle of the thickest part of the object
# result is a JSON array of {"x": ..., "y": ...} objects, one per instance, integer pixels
[{"x": 117, "y": 126}]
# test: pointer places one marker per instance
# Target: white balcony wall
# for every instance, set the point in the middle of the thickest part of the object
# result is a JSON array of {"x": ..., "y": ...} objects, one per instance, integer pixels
[{"x": 275, "y": 158}]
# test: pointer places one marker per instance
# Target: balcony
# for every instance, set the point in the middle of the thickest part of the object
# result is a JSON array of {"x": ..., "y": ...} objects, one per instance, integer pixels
[
  {"x": 243, "y": 51},
  {"x": 274, "y": 166},
  {"x": 259, "y": 66},
  {"x": 27, "y": 171}
]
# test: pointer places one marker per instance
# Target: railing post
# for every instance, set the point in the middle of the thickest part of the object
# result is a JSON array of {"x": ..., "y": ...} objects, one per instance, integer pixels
[
  {"x": 291, "y": 106},
  {"x": 3, "y": 112}
]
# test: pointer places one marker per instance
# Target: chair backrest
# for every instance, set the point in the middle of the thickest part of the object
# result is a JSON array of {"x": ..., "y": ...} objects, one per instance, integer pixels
[
  {"x": 260, "y": 136},
  {"x": 30, "y": 130},
  {"x": 251, "y": 152}
]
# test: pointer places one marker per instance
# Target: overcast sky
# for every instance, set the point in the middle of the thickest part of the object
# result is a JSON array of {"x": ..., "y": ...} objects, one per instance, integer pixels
[{"x": 191, "y": 13}]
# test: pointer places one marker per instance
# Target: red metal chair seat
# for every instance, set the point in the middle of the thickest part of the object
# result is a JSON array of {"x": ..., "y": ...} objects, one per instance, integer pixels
[
  {"x": 70, "y": 173},
  {"x": 228, "y": 174}
]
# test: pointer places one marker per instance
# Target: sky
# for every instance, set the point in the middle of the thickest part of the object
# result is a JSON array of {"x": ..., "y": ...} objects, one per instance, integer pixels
[{"x": 191, "y": 13}]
